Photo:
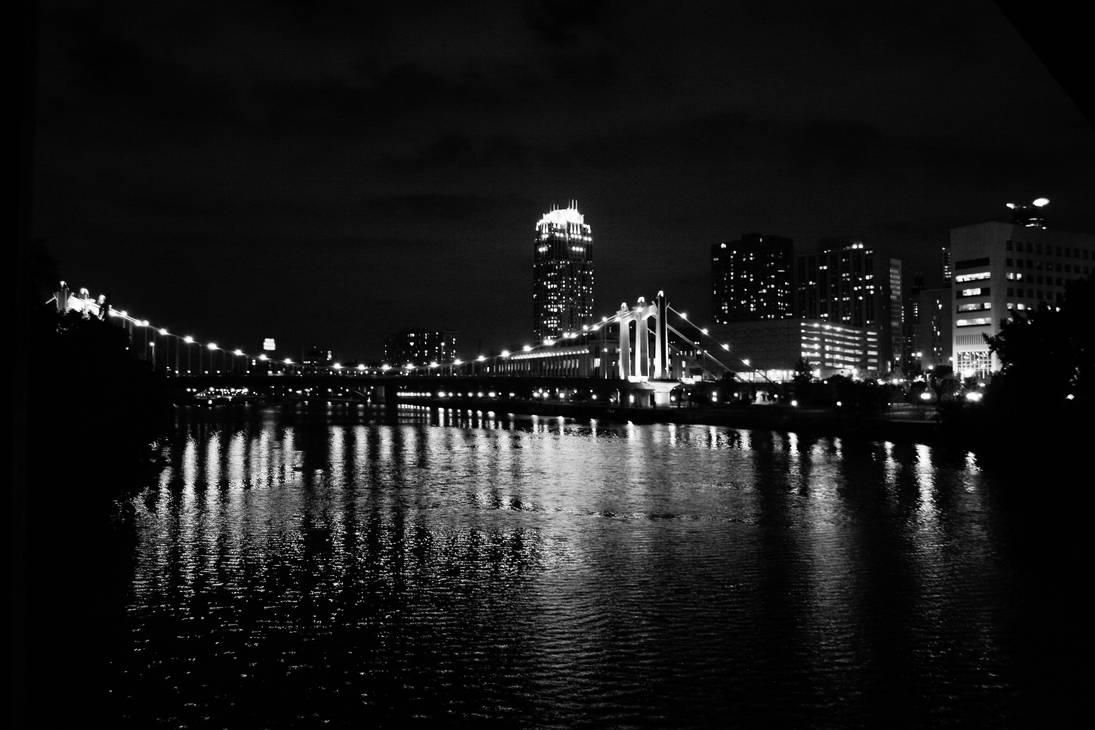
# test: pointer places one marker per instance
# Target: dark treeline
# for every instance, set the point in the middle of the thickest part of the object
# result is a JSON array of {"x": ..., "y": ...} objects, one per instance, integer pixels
[
  {"x": 94, "y": 412},
  {"x": 1036, "y": 414}
]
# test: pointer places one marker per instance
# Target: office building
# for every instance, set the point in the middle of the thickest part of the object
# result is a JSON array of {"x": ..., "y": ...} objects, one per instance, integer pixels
[
  {"x": 828, "y": 348},
  {"x": 847, "y": 283},
  {"x": 896, "y": 314},
  {"x": 562, "y": 290},
  {"x": 1001, "y": 268},
  {"x": 928, "y": 322},
  {"x": 751, "y": 279},
  {"x": 419, "y": 347}
]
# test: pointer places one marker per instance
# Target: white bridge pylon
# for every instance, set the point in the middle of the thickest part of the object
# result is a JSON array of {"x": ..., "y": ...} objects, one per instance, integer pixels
[{"x": 633, "y": 363}]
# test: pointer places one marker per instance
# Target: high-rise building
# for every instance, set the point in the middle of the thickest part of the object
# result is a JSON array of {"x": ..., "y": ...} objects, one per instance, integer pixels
[
  {"x": 420, "y": 347},
  {"x": 1000, "y": 268},
  {"x": 897, "y": 314},
  {"x": 562, "y": 289},
  {"x": 927, "y": 328},
  {"x": 845, "y": 282},
  {"x": 751, "y": 279}
]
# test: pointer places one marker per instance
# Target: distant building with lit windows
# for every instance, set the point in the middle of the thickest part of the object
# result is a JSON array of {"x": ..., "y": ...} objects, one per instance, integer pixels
[
  {"x": 1000, "y": 268},
  {"x": 562, "y": 265},
  {"x": 847, "y": 283},
  {"x": 827, "y": 348},
  {"x": 751, "y": 279},
  {"x": 928, "y": 322},
  {"x": 420, "y": 347}
]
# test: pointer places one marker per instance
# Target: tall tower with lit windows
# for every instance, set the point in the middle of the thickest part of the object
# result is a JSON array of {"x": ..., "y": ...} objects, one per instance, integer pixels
[
  {"x": 562, "y": 267},
  {"x": 751, "y": 279}
]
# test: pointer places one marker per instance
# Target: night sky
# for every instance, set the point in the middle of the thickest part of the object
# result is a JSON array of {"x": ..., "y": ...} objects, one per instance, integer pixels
[{"x": 326, "y": 172}]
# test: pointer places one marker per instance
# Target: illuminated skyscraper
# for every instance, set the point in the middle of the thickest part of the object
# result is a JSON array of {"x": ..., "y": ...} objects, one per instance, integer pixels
[
  {"x": 847, "y": 282},
  {"x": 562, "y": 289},
  {"x": 420, "y": 347},
  {"x": 751, "y": 279}
]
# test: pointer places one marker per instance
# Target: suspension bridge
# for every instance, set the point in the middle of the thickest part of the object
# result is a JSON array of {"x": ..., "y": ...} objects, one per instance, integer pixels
[{"x": 637, "y": 356}]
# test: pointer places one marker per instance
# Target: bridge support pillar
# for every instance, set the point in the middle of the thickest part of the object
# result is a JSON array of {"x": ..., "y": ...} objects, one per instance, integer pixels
[
  {"x": 661, "y": 339},
  {"x": 386, "y": 394},
  {"x": 642, "y": 342},
  {"x": 624, "y": 349}
]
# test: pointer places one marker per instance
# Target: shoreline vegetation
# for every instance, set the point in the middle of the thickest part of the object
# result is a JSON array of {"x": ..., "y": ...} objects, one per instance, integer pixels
[{"x": 94, "y": 414}]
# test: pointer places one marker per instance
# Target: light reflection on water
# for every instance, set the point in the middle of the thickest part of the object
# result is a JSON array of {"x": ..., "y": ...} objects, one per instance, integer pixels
[{"x": 294, "y": 567}]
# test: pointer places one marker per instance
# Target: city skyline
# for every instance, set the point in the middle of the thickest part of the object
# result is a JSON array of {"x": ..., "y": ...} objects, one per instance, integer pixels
[
  {"x": 551, "y": 363},
  {"x": 371, "y": 178}
]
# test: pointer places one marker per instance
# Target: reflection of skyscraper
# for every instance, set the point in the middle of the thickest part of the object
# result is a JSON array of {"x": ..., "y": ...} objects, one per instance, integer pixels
[{"x": 562, "y": 290}]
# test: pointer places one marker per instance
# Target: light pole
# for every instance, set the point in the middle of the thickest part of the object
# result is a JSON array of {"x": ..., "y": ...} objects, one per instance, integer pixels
[
  {"x": 238, "y": 353},
  {"x": 190, "y": 341},
  {"x": 166, "y": 343},
  {"x": 212, "y": 347}
]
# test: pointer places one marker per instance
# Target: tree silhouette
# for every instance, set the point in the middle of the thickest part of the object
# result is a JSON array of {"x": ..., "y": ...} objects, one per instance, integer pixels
[{"x": 1048, "y": 356}]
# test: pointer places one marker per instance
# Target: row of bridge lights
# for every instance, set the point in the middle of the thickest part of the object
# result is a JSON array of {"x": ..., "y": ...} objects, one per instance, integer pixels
[{"x": 456, "y": 362}]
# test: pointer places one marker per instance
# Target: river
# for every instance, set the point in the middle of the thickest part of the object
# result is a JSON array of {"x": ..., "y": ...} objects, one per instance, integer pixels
[{"x": 327, "y": 566}]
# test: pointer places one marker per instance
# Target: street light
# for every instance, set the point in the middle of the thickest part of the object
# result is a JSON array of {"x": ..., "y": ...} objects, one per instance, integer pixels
[
  {"x": 212, "y": 347},
  {"x": 190, "y": 341}
]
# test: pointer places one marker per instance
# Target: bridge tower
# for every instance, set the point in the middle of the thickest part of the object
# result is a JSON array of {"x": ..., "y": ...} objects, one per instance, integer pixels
[{"x": 634, "y": 362}]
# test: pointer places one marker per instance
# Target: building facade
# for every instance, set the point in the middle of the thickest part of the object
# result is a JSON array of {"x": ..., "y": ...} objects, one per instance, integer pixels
[
  {"x": 562, "y": 289},
  {"x": 420, "y": 347},
  {"x": 751, "y": 279},
  {"x": 928, "y": 328},
  {"x": 847, "y": 283},
  {"x": 896, "y": 311},
  {"x": 1000, "y": 268},
  {"x": 827, "y": 348}
]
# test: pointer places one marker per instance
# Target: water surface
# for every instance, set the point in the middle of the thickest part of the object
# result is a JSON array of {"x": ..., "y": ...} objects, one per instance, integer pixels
[{"x": 322, "y": 566}]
